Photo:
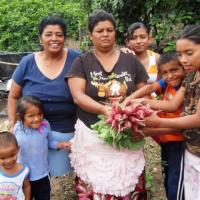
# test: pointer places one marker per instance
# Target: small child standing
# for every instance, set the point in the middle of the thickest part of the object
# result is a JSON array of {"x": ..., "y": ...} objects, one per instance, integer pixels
[
  {"x": 14, "y": 183},
  {"x": 171, "y": 142},
  {"x": 188, "y": 50},
  {"x": 34, "y": 136}
]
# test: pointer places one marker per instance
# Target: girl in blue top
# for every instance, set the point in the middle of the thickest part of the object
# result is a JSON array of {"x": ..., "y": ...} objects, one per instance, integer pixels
[{"x": 34, "y": 136}]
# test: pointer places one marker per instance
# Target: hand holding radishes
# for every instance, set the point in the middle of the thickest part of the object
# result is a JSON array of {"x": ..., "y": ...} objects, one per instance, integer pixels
[
  {"x": 153, "y": 120},
  {"x": 123, "y": 125}
]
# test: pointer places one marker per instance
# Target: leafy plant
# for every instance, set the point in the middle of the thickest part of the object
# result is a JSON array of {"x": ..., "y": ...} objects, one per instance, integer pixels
[{"x": 19, "y": 20}]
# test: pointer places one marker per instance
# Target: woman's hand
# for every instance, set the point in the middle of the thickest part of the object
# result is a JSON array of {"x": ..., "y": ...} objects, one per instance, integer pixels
[
  {"x": 127, "y": 50},
  {"x": 106, "y": 110}
]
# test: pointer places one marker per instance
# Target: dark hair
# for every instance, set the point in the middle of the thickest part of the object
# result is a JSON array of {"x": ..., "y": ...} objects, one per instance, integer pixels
[
  {"x": 134, "y": 27},
  {"x": 27, "y": 100},
  {"x": 53, "y": 20},
  {"x": 7, "y": 138},
  {"x": 99, "y": 16},
  {"x": 167, "y": 57},
  {"x": 191, "y": 32}
]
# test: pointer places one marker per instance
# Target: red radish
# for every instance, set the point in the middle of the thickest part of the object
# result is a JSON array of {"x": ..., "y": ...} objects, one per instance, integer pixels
[
  {"x": 118, "y": 117},
  {"x": 128, "y": 110},
  {"x": 133, "y": 119},
  {"x": 128, "y": 124},
  {"x": 124, "y": 116},
  {"x": 114, "y": 124},
  {"x": 129, "y": 117},
  {"x": 118, "y": 109},
  {"x": 109, "y": 120}
]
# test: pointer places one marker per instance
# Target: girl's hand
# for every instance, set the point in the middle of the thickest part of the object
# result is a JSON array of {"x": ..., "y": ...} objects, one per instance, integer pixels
[
  {"x": 153, "y": 120},
  {"x": 64, "y": 145},
  {"x": 149, "y": 131},
  {"x": 138, "y": 136},
  {"x": 143, "y": 101}
]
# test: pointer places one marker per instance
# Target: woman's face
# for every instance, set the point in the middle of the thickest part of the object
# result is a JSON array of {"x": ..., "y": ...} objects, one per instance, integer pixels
[
  {"x": 189, "y": 54},
  {"x": 103, "y": 35},
  {"x": 140, "y": 41},
  {"x": 52, "y": 39}
]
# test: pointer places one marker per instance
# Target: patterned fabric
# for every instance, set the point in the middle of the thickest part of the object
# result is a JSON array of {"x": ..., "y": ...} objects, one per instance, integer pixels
[
  {"x": 192, "y": 95},
  {"x": 11, "y": 187},
  {"x": 191, "y": 176},
  {"x": 85, "y": 192},
  {"x": 106, "y": 169}
]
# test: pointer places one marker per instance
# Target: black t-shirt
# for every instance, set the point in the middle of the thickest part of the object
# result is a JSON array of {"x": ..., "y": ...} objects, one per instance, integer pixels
[{"x": 127, "y": 70}]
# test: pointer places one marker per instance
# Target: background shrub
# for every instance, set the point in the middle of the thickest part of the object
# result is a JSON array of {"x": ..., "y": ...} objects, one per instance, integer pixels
[{"x": 19, "y": 21}]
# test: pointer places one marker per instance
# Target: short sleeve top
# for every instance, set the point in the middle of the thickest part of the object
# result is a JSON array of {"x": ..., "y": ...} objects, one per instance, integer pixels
[
  {"x": 11, "y": 186},
  {"x": 192, "y": 95},
  {"x": 55, "y": 95},
  {"x": 127, "y": 70}
]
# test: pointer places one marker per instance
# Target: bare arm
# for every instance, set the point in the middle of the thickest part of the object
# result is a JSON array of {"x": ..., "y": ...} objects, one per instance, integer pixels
[
  {"x": 165, "y": 105},
  {"x": 27, "y": 189},
  {"x": 157, "y": 57},
  {"x": 190, "y": 121},
  {"x": 77, "y": 87},
  {"x": 139, "y": 86},
  {"x": 159, "y": 131},
  {"x": 145, "y": 90},
  {"x": 169, "y": 105},
  {"x": 14, "y": 95}
]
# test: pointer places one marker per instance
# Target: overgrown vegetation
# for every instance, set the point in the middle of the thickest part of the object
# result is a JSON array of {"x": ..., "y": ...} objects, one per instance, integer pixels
[
  {"x": 19, "y": 21},
  {"x": 164, "y": 17}
]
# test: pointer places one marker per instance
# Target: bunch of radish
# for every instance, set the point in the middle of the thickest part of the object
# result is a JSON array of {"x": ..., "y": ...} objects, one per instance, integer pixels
[{"x": 128, "y": 117}]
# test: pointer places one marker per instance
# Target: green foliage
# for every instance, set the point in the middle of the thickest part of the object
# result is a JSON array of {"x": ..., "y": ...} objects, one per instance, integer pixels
[
  {"x": 19, "y": 21},
  {"x": 164, "y": 17},
  {"x": 114, "y": 138}
]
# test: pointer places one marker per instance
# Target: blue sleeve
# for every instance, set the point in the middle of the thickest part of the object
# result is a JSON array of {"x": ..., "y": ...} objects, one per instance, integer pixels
[
  {"x": 19, "y": 73},
  {"x": 162, "y": 84}
]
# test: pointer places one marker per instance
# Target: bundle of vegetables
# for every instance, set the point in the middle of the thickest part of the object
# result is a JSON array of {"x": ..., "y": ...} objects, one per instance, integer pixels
[{"x": 118, "y": 130}]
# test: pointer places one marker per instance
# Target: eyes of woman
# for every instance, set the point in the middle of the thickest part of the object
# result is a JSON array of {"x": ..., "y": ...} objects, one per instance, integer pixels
[
  {"x": 110, "y": 30},
  {"x": 49, "y": 34}
]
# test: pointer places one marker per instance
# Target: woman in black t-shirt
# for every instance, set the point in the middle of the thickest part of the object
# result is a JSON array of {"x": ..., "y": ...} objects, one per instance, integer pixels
[{"x": 98, "y": 76}]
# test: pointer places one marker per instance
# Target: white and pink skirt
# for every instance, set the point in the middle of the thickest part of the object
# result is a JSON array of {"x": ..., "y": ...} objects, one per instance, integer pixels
[{"x": 107, "y": 170}]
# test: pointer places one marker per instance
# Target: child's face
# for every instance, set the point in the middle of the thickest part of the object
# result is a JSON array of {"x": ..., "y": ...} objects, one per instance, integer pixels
[
  {"x": 8, "y": 156},
  {"x": 33, "y": 117},
  {"x": 172, "y": 73},
  {"x": 189, "y": 54},
  {"x": 140, "y": 41}
]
